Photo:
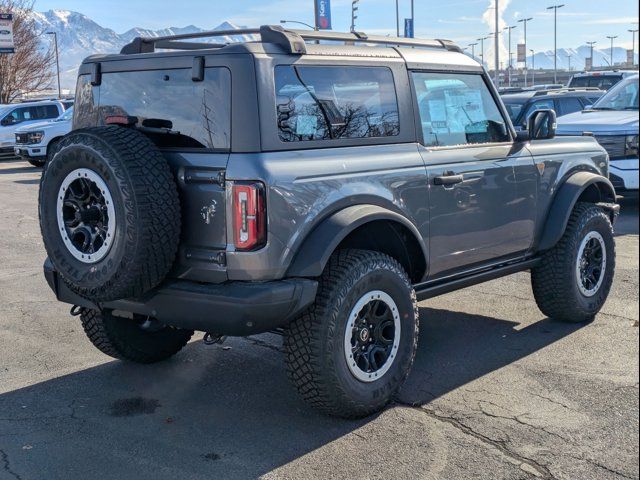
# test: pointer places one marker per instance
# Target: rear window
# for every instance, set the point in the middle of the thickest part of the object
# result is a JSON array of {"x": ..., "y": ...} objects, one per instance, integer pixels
[
  {"x": 330, "y": 103},
  {"x": 191, "y": 114},
  {"x": 603, "y": 82}
]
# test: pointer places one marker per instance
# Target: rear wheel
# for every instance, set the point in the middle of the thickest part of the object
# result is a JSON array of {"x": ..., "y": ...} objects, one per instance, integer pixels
[
  {"x": 140, "y": 340},
  {"x": 353, "y": 349},
  {"x": 574, "y": 278}
]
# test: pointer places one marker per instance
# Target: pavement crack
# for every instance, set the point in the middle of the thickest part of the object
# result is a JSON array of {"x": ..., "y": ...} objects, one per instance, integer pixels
[
  {"x": 261, "y": 343},
  {"x": 529, "y": 464},
  {"x": 7, "y": 466}
]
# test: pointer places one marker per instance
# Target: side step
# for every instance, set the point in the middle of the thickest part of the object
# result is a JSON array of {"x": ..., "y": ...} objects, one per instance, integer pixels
[{"x": 427, "y": 290}]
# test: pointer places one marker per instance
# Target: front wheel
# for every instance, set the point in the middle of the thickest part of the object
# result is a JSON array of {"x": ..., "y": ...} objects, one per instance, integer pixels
[
  {"x": 574, "y": 278},
  {"x": 353, "y": 349}
]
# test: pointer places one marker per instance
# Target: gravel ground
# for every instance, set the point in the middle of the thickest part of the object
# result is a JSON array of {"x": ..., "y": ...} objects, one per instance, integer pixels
[{"x": 497, "y": 391}]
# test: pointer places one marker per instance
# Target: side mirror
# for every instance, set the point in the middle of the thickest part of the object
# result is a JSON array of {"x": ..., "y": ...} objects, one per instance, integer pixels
[
  {"x": 542, "y": 125},
  {"x": 6, "y": 121}
]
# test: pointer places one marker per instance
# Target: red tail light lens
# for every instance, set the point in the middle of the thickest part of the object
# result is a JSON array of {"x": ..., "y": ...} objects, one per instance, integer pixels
[{"x": 249, "y": 216}]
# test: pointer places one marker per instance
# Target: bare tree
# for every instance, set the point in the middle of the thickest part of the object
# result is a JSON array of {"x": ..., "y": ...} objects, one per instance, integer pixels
[{"x": 30, "y": 68}]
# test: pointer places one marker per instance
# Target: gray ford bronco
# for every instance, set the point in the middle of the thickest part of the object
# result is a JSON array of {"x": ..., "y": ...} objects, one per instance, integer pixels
[{"x": 315, "y": 184}]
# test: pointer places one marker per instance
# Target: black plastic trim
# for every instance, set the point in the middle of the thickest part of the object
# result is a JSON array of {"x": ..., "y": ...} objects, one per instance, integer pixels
[{"x": 232, "y": 308}]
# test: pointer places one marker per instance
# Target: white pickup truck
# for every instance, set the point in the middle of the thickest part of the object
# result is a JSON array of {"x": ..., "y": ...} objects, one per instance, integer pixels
[{"x": 35, "y": 142}]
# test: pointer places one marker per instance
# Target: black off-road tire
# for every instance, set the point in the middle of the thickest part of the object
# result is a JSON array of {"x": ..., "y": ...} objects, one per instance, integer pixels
[
  {"x": 37, "y": 162},
  {"x": 314, "y": 342},
  {"x": 125, "y": 339},
  {"x": 146, "y": 205},
  {"x": 554, "y": 282}
]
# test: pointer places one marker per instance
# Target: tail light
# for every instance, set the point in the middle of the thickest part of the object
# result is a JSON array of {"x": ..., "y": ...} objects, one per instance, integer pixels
[{"x": 249, "y": 216}]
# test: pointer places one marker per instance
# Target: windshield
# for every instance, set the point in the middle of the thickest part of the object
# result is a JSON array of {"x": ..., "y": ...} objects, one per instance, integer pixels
[
  {"x": 624, "y": 96},
  {"x": 67, "y": 116}
]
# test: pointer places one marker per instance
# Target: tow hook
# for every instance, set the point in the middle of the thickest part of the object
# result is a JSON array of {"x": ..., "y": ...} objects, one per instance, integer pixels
[{"x": 213, "y": 338}]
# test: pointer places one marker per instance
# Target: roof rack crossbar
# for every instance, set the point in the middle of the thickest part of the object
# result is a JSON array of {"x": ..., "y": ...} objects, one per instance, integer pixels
[{"x": 292, "y": 41}]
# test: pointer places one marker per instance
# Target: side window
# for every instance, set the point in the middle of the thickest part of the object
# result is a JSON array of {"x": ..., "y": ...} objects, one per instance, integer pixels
[
  {"x": 546, "y": 104},
  {"x": 330, "y": 103},
  {"x": 51, "y": 111},
  {"x": 569, "y": 105},
  {"x": 457, "y": 109}
]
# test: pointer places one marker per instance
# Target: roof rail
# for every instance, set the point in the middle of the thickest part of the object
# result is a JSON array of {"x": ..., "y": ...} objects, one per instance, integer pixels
[
  {"x": 293, "y": 41},
  {"x": 567, "y": 89}
]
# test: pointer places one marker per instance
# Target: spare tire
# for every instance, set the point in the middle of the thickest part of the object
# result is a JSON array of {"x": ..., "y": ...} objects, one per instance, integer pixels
[{"x": 109, "y": 213}]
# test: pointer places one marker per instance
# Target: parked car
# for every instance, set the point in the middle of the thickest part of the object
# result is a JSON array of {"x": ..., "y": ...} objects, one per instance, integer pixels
[
  {"x": 564, "y": 101},
  {"x": 36, "y": 142},
  {"x": 315, "y": 190},
  {"x": 613, "y": 120},
  {"x": 603, "y": 79},
  {"x": 14, "y": 116}
]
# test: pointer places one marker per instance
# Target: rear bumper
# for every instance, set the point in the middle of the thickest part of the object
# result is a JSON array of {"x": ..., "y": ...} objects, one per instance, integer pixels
[{"x": 232, "y": 308}]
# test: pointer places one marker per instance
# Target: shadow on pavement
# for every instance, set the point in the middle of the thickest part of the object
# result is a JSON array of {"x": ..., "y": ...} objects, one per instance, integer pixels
[
  {"x": 216, "y": 413},
  {"x": 627, "y": 223}
]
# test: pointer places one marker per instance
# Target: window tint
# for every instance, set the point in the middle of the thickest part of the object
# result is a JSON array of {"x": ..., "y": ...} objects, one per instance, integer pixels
[
  {"x": 23, "y": 114},
  {"x": 197, "y": 113},
  {"x": 325, "y": 103},
  {"x": 546, "y": 104},
  {"x": 570, "y": 105},
  {"x": 457, "y": 109},
  {"x": 579, "y": 82}
]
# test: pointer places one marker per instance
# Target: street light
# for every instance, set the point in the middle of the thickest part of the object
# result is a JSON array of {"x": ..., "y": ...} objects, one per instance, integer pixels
[
  {"x": 633, "y": 45},
  {"x": 481, "y": 40},
  {"x": 510, "y": 67},
  {"x": 591, "y": 44},
  {"x": 525, "y": 21},
  {"x": 555, "y": 40},
  {"x": 533, "y": 67},
  {"x": 354, "y": 9},
  {"x": 473, "y": 49},
  {"x": 299, "y": 23},
  {"x": 612, "y": 38},
  {"x": 397, "y": 19},
  {"x": 55, "y": 41}
]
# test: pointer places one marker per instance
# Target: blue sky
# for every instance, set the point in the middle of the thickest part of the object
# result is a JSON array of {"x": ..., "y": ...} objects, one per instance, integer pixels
[{"x": 460, "y": 20}]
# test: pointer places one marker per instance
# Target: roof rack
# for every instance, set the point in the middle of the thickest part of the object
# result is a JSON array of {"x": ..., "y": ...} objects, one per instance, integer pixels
[
  {"x": 567, "y": 89},
  {"x": 293, "y": 41}
]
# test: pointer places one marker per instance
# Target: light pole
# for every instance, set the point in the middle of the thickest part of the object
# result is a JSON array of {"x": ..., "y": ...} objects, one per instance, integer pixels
[
  {"x": 533, "y": 67},
  {"x": 473, "y": 49},
  {"x": 481, "y": 40},
  {"x": 591, "y": 44},
  {"x": 612, "y": 38},
  {"x": 569, "y": 57},
  {"x": 525, "y": 21},
  {"x": 397, "y": 18},
  {"x": 510, "y": 66},
  {"x": 354, "y": 9},
  {"x": 633, "y": 46},
  {"x": 55, "y": 41},
  {"x": 555, "y": 40},
  {"x": 496, "y": 46},
  {"x": 413, "y": 21}
]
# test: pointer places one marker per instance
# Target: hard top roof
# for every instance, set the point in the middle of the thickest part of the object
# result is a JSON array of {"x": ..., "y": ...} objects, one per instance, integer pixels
[{"x": 272, "y": 40}]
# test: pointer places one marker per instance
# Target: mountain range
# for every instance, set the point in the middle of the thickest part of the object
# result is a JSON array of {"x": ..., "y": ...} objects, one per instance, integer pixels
[{"x": 79, "y": 36}]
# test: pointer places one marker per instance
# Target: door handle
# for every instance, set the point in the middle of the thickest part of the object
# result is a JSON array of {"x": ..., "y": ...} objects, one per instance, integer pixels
[{"x": 448, "y": 180}]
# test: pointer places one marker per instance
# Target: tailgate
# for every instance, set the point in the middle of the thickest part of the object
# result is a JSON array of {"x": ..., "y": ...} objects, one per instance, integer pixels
[{"x": 203, "y": 242}]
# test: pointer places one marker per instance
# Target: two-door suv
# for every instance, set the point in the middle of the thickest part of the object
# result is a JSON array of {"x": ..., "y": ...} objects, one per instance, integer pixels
[{"x": 317, "y": 184}]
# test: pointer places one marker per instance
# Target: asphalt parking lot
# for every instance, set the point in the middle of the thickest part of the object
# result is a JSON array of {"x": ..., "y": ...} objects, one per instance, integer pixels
[{"x": 497, "y": 391}]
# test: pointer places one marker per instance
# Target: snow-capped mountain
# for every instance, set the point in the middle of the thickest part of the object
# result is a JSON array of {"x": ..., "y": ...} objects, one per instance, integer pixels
[
  {"x": 601, "y": 57},
  {"x": 79, "y": 37}
]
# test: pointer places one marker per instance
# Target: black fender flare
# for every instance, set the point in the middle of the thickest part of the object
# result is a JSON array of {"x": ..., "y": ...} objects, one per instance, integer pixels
[
  {"x": 313, "y": 255},
  {"x": 566, "y": 199}
]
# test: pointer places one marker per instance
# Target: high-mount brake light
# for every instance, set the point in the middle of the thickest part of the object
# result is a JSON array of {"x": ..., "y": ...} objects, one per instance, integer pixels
[{"x": 249, "y": 215}]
